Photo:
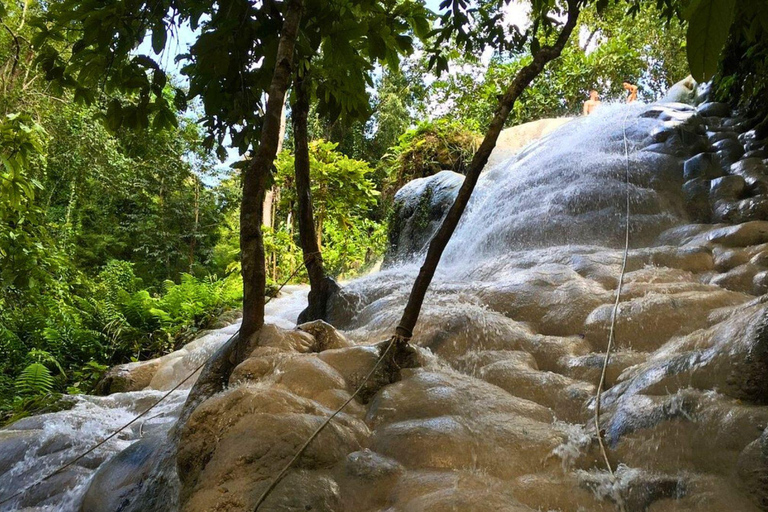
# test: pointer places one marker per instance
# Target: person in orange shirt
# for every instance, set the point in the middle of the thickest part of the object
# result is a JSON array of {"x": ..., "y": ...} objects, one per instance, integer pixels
[
  {"x": 592, "y": 102},
  {"x": 631, "y": 90}
]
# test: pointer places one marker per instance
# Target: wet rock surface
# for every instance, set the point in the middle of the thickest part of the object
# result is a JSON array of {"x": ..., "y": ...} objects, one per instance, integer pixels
[
  {"x": 499, "y": 415},
  {"x": 418, "y": 210},
  {"x": 499, "y": 412}
]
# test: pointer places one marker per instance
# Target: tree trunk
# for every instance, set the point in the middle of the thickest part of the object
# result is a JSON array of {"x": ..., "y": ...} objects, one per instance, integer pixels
[
  {"x": 522, "y": 79},
  {"x": 321, "y": 286},
  {"x": 196, "y": 226},
  {"x": 215, "y": 374},
  {"x": 255, "y": 179},
  {"x": 272, "y": 197}
]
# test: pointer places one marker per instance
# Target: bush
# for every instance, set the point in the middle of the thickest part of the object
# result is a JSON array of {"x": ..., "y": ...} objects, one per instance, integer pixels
[
  {"x": 431, "y": 147},
  {"x": 63, "y": 344}
]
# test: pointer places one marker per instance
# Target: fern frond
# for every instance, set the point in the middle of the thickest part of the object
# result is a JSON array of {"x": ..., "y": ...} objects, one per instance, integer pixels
[{"x": 35, "y": 379}]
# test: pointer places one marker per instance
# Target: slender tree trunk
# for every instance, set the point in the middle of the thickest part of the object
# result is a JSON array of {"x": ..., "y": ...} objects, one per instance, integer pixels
[
  {"x": 523, "y": 78},
  {"x": 272, "y": 197},
  {"x": 68, "y": 228},
  {"x": 216, "y": 372},
  {"x": 255, "y": 179},
  {"x": 321, "y": 286},
  {"x": 196, "y": 226}
]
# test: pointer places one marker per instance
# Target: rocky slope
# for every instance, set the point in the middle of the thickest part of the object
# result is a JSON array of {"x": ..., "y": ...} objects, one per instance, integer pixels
[{"x": 498, "y": 412}]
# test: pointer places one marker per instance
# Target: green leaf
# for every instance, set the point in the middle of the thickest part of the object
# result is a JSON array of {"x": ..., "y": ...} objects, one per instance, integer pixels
[
  {"x": 707, "y": 32},
  {"x": 158, "y": 37},
  {"x": 180, "y": 100},
  {"x": 114, "y": 115},
  {"x": 35, "y": 379},
  {"x": 690, "y": 9}
]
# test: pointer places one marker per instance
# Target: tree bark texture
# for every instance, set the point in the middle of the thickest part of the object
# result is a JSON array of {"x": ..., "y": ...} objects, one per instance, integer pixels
[
  {"x": 255, "y": 179},
  {"x": 321, "y": 286}
]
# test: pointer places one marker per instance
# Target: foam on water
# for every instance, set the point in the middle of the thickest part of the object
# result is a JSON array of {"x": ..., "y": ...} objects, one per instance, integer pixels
[{"x": 51, "y": 440}]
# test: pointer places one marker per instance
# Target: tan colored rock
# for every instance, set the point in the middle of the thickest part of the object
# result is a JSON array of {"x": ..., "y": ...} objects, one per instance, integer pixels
[
  {"x": 285, "y": 340},
  {"x": 449, "y": 491},
  {"x": 691, "y": 259},
  {"x": 425, "y": 394},
  {"x": 738, "y": 279},
  {"x": 646, "y": 323},
  {"x": 512, "y": 140},
  {"x": 759, "y": 258},
  {"x": 451, "y": 334},
  {"x": 128, "y": 377},
  {"x": 449, "y": 442},
  {"x": 705, "y": 493},
  {"x": 661, "y": 280},
  {"x": 706, "y": 433},
  {"x": 558, "y": 492},
  {"x": 553, "y": 298},
  {"x": 588, "y": 368},
  {"x": 741, "y": 235},
  {"x": 752, "y": 468},
  {"x": 760, "y": 283},
  {"x": 473, "y": 362},
  {"x": 326, "y": 337},
  {"x": 564, "y": 395},
  {"x": 236, "y": 441},
  {"x": 728, "y": 258}
]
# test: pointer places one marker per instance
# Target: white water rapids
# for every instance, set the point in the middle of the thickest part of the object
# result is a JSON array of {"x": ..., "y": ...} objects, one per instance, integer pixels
[
  {"x": 510, "y": 343},
  {"x": 51, "y": 440}
]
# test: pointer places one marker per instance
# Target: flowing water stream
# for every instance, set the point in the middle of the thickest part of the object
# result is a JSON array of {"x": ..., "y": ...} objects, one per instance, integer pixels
[
  {"x": 34, "y": 447},
  {"x": 511, "y": 342}
]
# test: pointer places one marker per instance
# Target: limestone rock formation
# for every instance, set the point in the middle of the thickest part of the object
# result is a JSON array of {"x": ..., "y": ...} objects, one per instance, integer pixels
[
  {"x": 513, "y": 139},
  {"x": 419, "y": 208},
  {"x": 498, "y": 414}
]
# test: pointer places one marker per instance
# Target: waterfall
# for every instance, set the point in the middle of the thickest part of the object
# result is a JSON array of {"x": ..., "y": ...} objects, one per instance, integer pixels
[
  {"x": 36, "y": 446},
  {"x": 510, "y": 344}
]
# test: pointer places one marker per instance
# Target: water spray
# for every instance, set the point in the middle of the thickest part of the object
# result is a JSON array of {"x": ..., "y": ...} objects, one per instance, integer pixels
[{"x": 614, "y": 313}]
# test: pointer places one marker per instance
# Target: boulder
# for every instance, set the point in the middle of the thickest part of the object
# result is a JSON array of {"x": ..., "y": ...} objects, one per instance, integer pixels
[
  {"x": 742, "y": 235},
  {"x": 512, "y": 140},
  {"x": 704, "y": 166},
  {"x": 141, "y": 478},
  {"x": 418, "y": 210},
  {"x": 128, "y": 377},
  {"x": 683, "y": 91},
  {"x": 714, "y": 109},
  {"x": 728, "y": 188}
]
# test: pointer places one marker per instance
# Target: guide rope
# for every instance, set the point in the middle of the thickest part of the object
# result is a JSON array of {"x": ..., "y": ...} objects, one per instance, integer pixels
[
  {"x": 151, "y": 407},
  {"x": 319, "y": 429},
  {"x": 614, "y": 314}
]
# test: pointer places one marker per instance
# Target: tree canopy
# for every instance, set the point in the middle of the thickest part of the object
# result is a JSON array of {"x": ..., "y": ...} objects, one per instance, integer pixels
[{"x": 118, "y": 230}]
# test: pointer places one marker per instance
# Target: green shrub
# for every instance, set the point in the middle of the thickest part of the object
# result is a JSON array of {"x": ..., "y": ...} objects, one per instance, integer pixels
[
  {"x": 431, "y": 147},
  {"x": 64, "y": 343}
]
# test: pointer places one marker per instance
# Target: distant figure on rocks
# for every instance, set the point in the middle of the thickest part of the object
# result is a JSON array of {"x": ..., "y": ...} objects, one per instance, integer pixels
[
  {"x": 631, "y": 90},
  {"x": 592, "y": 102}
]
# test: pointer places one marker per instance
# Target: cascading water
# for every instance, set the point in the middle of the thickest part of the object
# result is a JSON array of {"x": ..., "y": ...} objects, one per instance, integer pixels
[
  {"x": 498, "y": 413},
  {"x": 34, "y": 447}
]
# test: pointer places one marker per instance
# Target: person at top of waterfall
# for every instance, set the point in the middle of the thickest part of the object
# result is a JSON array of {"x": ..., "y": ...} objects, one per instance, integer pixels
[
  {"x": 631, "y": 90},
  {"x": 592, "y": 102}
]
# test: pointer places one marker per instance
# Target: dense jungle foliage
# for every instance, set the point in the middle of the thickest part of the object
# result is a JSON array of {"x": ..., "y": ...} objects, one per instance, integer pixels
[{"x": 119, "y": 227}]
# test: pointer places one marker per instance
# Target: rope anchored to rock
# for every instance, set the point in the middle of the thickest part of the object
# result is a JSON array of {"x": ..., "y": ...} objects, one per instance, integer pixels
[
  {"x": 328, "y": 420},
  {"x": 614, "y": 314},
  {"x": 147, "y": 410}
]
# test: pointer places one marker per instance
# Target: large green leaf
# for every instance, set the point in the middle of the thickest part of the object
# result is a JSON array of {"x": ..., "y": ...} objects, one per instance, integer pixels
[{"x": 707, "y": 32}]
